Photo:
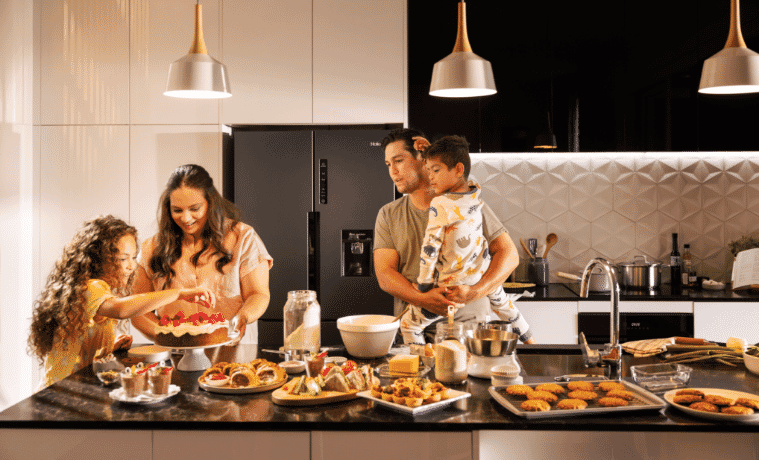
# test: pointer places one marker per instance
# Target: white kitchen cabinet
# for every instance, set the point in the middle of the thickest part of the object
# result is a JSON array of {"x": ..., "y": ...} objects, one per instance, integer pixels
[
  {"x": 339, "y": 445},
  {"x": 206, "y": 445},
  {"x": 320, "y": 61},
  {"x": 359, "y": 61},
  {"x": 55, "y": 444},
  {"x": 84, "y": 62},
  {"x": 551, "y": 322},
  {"x": 268, "y": 54},
  {"x": 718, "y": 321}
]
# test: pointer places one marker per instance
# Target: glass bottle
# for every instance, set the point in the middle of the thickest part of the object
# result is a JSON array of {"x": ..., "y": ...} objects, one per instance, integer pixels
[
  {"x": 450, "y": 352},
  {"x": 687, "y": 265},
  {"x": 674, "y": 263},
  {"x": 302, "y": 328}
]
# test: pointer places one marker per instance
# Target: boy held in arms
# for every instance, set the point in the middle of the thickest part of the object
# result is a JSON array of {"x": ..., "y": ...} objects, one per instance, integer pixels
[{"x": 454, "y": 251}]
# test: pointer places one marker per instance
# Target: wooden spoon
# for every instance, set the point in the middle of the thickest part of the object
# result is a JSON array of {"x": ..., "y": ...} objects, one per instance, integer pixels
[
  {"x": 551, "y": 239},
  {"x": 526, "y": 249}
]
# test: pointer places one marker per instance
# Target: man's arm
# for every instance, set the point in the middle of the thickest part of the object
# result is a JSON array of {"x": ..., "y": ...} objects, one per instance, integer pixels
[
  {"x": 505, "y": 259},
  {"x": 394, "y": 283}
]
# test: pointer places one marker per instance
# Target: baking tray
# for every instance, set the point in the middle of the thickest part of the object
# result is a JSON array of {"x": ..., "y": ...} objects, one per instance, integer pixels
[{"x": 643, "y": 400}]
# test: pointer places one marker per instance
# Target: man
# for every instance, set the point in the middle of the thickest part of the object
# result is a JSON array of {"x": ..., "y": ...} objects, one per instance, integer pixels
[{"x": 399, "y": 232}]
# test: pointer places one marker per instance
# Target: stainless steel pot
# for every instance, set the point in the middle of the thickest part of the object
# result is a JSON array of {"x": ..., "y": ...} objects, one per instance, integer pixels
[{"x": 639, "y": 274}]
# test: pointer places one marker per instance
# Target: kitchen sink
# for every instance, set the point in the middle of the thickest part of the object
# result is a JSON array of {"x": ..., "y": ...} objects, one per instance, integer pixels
[{"x": 555, "y": 360}]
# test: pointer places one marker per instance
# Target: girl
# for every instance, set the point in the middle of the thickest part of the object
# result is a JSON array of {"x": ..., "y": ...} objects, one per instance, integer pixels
[{"x": 75, "y": 318}]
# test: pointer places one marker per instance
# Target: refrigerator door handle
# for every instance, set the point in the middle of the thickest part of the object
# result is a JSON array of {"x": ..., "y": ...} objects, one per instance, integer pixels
[{"x": 313, "y": 251}]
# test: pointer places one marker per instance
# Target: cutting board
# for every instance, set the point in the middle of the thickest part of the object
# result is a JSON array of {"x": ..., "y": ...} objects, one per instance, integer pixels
[{"x": 283, "y": 398}]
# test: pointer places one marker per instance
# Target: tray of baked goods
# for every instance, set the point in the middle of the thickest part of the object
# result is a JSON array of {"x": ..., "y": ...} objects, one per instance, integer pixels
[{"x": 577, "y": 397}]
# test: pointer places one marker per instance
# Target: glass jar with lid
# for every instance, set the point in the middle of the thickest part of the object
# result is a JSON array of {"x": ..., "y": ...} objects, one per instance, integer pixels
[
  {"x": 450, "y": 352},
  {"x": 302, "y": 328}
]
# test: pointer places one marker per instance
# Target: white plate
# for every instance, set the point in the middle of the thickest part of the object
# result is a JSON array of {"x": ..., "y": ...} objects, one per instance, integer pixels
[
  {"x": 383, "y": 372},
  {"x": 143, "y": 398},
  {"x": 293, "y": 367},
  {"x": 243, "y": 390},
  {"x": 669, "y": 397},
  {"x": 424, "y": 408}
]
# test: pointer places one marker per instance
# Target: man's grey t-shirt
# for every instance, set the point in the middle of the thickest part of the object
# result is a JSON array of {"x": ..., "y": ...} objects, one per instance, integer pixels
[{"x": 400, "y": 225}]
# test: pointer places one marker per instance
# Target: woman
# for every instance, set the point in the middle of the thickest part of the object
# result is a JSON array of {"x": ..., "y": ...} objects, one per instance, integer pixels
[{"x": 201, "y": 242}]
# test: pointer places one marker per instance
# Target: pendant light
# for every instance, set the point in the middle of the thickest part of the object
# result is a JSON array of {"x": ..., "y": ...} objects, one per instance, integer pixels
[
  {"x": 735, "y": 69},
  {"x": 462, "y": 73},
  {"x": 197, "y": 75}
]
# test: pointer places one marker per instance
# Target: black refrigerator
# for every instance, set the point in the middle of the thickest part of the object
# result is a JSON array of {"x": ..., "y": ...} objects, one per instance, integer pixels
[{"x": 313, "y": 194}]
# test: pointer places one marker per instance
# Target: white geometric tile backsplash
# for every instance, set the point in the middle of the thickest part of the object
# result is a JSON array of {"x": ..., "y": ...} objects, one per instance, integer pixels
[{"x": 618, "y": 205}]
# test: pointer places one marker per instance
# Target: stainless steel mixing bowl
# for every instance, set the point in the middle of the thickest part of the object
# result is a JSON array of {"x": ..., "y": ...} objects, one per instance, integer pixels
[{"x": 490, "y": 342}]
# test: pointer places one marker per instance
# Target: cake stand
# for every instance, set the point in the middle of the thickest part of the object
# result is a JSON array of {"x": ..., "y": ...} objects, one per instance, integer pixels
[{"x": 194, "y": 358}]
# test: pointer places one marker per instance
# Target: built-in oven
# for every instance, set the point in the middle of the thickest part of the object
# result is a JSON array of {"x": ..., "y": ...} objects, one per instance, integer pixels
[{"x": 635, "y": 326}]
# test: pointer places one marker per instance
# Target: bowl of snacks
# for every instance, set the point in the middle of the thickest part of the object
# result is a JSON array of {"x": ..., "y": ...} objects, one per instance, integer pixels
[
  {"x": 108, "y": 377},
  {"x": 751, "y": 359}
]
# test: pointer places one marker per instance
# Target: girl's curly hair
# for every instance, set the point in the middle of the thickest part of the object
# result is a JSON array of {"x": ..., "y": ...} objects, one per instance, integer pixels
[
  {"x": 91, "y": 254},
  {"x": 222, "y": 215}
]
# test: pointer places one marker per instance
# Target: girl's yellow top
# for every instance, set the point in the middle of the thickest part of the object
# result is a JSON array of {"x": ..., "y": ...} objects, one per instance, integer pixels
[{"x": 97, "y": 339}]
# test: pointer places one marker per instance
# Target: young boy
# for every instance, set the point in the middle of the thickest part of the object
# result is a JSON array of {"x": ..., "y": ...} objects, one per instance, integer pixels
[{"x": 454, "y": 251}]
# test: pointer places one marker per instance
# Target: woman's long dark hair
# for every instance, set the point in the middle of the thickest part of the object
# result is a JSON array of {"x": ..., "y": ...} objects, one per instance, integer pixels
[
  {"x": 91, "y": 254},
  {"x": 222, "y": 216}
]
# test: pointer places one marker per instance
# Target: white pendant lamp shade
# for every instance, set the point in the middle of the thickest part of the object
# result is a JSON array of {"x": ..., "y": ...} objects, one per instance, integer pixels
[
  {"x": 462, "y": 73},
  {"x": 735, "y": 69},
  {"x": 197, "y": 75}
]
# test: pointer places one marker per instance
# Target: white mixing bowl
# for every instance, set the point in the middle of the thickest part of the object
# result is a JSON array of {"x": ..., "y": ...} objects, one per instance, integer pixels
[
  {"x": 751, "y": 362},
  {"x": 368, "y": 336}
]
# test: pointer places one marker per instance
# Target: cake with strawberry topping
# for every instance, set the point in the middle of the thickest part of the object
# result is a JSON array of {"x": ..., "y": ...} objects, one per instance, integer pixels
[{"x": 196, "y": 330}]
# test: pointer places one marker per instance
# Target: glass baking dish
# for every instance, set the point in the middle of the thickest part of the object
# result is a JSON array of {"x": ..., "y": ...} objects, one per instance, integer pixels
[{"x": 661, "y": 377}]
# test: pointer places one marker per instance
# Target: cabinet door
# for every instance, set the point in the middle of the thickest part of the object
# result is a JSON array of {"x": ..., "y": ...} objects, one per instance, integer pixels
[
  {"x": 359, "y": 61},
  {"x": 56, "y": 444},
  {"x": 551, "y": 322},
  {"x": 267, "y": 51},
  {"x": 207, "y": 445},
  {"x": 349, "y": 445},
  {"x": 718, "y": 321}
]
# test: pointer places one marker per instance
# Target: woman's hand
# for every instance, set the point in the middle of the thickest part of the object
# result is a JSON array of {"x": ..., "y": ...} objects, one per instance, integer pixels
[
  {"x": 200, "y": 295},
  {"x": 123, "y": 342},
  {"x": 241, "y": 321}
]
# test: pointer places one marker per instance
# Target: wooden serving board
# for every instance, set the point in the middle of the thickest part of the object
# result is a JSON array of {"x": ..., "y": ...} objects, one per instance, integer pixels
[{"x": 283, "y": 398}]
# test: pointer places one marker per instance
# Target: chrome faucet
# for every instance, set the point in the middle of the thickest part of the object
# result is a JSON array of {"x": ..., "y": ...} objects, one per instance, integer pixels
[{"x": 611, "y": 359}]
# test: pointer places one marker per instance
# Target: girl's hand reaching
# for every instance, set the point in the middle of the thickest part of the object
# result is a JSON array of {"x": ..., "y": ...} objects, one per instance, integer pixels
[
  {"x": 200, "y": 295},
  {"x": 420, "y": 144}
]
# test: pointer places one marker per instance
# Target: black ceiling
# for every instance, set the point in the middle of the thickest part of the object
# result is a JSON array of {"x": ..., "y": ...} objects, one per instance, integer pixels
[{"x": 632, "y": 68}]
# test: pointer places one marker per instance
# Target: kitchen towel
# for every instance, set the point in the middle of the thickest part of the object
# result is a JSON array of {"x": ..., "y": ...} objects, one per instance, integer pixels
[{"x": 648, "y": 347}]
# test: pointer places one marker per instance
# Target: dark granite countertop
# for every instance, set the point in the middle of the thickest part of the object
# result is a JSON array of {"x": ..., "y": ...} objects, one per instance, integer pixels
[
  {"x": 82, "y": 402},
  {"x": 571, "y": 292}
]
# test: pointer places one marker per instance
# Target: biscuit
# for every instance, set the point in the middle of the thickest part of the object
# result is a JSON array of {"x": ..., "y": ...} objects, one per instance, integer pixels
[
  {"x": 554, "y": 388},
  {"x": 518, "y": 390},
  {"x": 746, "y": 402},
  {"x": 572, "y": 404},
  {"x": 624, "y": 394},
  {"x": 612, "y": 402},
  {"x": 610, "y": 386},
  {"x": 543, "y": 396},
  {"x": 580, "y": 385},
  {"x": 704, "y": 406},
  {"x": 737, "y": 410},
  {"x": 690, "y": 391},
  {"x": 582, "y": 394},
  {"x": 719, "y": 400},
  {"x": 535, "y": 405},
  {"x": 686, "y": 399}
]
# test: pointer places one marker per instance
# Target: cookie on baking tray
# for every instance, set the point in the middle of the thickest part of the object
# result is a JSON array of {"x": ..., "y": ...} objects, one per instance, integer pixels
[
  {"x": 572, "y": 404},
  {"x": 518, "y": 390},
  {"x": 581, "y": 385},
  {"x": 554, "y": 388},
  {"x": 542, "y": 396},
  {"x": 624, "y": 394},
  {"x": 612, "y": 402},
  {"x": 535, "y": 405},
  {"x": 610, "y": 386},
  {"x": 582, "y": 394}
]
